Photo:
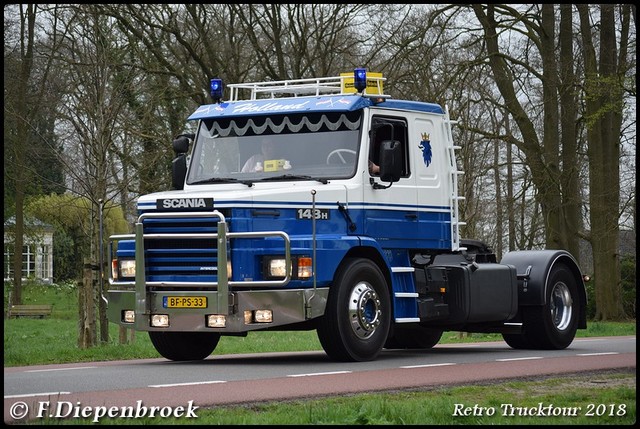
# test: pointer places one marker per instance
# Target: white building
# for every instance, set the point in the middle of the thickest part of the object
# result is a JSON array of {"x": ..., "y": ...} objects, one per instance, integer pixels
[{"x": 37, "y": 250}]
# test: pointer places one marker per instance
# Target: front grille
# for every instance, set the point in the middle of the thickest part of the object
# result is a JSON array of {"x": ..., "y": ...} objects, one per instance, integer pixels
[{"x": 183, "y": 259}]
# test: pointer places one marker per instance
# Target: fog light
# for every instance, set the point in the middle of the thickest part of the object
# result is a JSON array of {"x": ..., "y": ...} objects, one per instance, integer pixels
[
  {"x": 128, "y": 316},
  {"x": 248, "y": 317},
  {"x": 216, "y": 320},
  {"x": 263, "y": 316},
  {"x": 160, "y": 320},
  {"x": 305, "y": 268}
]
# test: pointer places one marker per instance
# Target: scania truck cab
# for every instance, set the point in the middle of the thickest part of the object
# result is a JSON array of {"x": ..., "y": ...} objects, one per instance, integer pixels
[{"x": 347, "y": 225}]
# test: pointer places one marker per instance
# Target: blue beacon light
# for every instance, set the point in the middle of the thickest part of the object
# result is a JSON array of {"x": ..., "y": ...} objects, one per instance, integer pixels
[
  {"x": 217, "y": 90},
  {"x": 360, "y": 79}
]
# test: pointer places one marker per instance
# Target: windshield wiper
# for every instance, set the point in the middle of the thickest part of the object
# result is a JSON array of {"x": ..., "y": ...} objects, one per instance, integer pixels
[
  {"x": 249, "y": 183},
  {"x": 295, "y": 177}
]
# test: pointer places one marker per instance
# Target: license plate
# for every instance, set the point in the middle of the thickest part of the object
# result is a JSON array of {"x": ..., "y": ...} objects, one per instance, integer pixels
[{"x": 184, "y": 302}]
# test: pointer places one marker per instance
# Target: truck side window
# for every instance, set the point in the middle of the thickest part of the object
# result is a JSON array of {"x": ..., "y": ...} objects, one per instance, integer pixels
[{"x": 386, "y": 128}]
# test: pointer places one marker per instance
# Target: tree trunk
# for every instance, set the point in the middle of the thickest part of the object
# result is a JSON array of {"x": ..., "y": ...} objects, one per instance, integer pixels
[
  {"x": 540, "y": 158},
  {"x": 551, "y": 205},
  {"x": 510, "y": 199},
  {"x": 16, "y": 296},
  {"x": 603, "y": 101},
  {"x": 572, "y": 219},
  {"x": 102, "y": 305},
  {"x": 499, "y": 202},
  {"x": 86, "y": 308},
  {"x": 20, "y": 143}
]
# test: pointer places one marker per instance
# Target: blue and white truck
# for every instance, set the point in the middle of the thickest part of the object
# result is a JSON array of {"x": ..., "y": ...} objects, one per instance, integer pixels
[{"x": 348, "y": 227}]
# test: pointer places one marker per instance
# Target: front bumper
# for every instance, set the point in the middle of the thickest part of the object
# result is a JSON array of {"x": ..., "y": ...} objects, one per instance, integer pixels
[{"x": 288, "y": 306}]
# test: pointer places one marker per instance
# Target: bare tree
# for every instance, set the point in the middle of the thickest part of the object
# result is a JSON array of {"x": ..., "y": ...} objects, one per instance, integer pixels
[
  {"x": 22, "y": 110},
  {"x": 567, "y": 90},
  {"x": 92, "y": 65},
  {"x": 27, "y": 85},
  {"x": 301, "y": 40},
  {"x": 603, "y": 113},
  {"x": 542, "y": 156}
]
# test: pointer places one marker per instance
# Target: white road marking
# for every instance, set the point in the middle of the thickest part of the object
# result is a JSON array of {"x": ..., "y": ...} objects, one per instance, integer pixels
[
  {"x": 188, "y": 384},
  {"x": 319, "y": 373},
  {"x": 598, "y": 354},
  {"x": 28, "y": 395},
  {"x": 427, "y": 366},
  {"x": 524, "y": 358},
  {"x": 60, "y": 369}
]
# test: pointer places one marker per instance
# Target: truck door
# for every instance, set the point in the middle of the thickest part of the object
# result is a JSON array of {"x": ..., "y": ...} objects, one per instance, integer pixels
[
  {"x": 434, "y": 168},
  {"x": 390, "y": 214}
]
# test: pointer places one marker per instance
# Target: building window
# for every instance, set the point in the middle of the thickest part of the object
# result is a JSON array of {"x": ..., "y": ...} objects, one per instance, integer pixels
[
  {"x": 36, "y": 262},
  {"x": 28, "y": 262},
  {"x": 37, "y": 252},
  {"x": 44, "y": 263}
]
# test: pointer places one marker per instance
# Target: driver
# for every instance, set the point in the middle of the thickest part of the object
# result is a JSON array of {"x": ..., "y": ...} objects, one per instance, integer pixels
[
  {"x": 374, "y": 169},
  {"x": 256, "y": 162}
]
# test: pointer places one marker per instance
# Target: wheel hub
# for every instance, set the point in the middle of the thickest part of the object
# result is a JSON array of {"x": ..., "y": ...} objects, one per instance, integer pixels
[
  {"x": 561, "y": 306},
  {"x": 364, "y": 310}
]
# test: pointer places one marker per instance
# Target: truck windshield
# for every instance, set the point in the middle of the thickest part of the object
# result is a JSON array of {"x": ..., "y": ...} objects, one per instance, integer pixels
[{"x": 285, "y": 147}]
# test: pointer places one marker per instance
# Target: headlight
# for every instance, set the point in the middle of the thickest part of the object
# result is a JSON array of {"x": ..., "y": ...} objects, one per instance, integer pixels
[
  {"x": 275, "y": 267},
  {"x": 127, "y": 268}
]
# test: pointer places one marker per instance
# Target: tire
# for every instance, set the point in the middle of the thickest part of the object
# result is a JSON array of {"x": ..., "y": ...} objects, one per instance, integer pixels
[
  {"x": 356, "y": 322},
  {"x": 181, "y": 346},
  {"x": 551, "y": 326},
  {"x": 413, "y": 337},
  {"x": 517, "y": 341}
]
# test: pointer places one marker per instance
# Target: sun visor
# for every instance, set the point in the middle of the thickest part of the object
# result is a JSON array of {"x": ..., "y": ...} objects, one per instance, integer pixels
[{"x": 337, "y": 103}]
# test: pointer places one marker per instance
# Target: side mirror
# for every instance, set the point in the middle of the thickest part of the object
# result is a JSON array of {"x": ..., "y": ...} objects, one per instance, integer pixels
[
  {"x": 179, "y": 163},
  {"x": 181, "y": 143},
  {"x": 390, "y": 161},
  {"x": 179, "y": 171}
]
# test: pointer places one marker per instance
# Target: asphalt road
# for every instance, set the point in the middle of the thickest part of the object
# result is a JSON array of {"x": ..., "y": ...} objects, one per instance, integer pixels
[{"x": 91, "y": 388}]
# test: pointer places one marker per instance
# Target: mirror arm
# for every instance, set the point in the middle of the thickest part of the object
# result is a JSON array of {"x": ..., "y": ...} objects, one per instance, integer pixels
[{"x": 377, "y": 185}]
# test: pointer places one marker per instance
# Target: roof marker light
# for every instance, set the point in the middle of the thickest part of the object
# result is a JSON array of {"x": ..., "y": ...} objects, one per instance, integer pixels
[
  {"x": 217, "y": 90},
  {"x": 360, "y": 79}
]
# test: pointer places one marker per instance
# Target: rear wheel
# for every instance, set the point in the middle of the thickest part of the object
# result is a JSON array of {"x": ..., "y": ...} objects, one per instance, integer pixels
[
  {"x": 517, "y": 341},
  {"x": 554, "y": 324},
  {"x": 181, "y": 346},
  {"x": 358, "y": 313}
]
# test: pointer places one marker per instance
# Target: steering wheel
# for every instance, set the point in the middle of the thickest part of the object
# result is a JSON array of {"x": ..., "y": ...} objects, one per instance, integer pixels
[{"x": 339, "y": 153}]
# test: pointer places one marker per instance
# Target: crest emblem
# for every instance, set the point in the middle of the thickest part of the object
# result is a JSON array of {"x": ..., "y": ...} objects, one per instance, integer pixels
[{"x": 425, "y": 145}]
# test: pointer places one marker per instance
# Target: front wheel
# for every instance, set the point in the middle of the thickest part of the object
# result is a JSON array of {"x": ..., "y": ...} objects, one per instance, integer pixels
[
  {"x": 551, "y": 326},
  {"x": 358, "y": 313},
  {"x": 180, "y": 346}
]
